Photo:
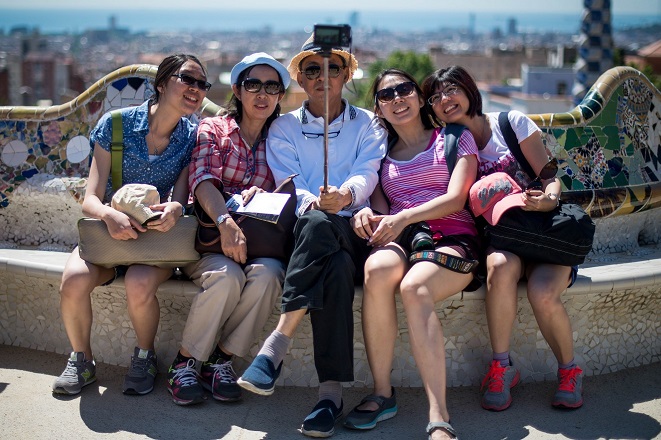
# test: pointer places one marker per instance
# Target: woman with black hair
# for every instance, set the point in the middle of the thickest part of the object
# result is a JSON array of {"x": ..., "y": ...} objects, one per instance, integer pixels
[
  {"x": 237, "y": 294},
  {"x": 454, "y": 97},
  {"x": 416, "y": 185},
  {"x": 158, "y": 140}
]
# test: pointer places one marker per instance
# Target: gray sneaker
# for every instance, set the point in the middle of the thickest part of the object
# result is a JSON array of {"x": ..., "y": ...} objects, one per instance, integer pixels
[
  {"x": 498, "y": 382},
  {"x": 142, "y": 372},
  {"x": 570, "y": 388},
  {"x": 78, "y": 373}
]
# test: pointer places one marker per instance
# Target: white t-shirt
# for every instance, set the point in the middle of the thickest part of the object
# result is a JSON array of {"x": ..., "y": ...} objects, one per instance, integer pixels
[{"x": 496, "y": 156}]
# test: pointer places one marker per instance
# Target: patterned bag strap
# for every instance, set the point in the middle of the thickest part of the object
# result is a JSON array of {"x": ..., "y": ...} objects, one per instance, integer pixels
[
  {"x": 452, "y": 262},
  {"x": 116, "y": 150}
]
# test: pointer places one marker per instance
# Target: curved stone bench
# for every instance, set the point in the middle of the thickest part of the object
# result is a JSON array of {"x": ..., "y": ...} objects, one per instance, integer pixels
[
  {"x": 613, "y": 307},
  {"x": 607, "y": 148}
]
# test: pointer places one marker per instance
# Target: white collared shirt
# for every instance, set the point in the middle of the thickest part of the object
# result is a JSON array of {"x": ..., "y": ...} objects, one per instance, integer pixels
[{"x": 354, "y": 155}]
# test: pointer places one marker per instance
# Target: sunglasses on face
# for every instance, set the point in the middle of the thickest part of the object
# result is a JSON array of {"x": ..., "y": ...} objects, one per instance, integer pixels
[
  {"x": 402, "y": 90},
  {"x": 548, "y": 172},
  {"x": 313, "y": 72},
  {"x": 192, "y": 81},
  {"x": 253, "y": 85},
  {"x": 450, "y": 90}
]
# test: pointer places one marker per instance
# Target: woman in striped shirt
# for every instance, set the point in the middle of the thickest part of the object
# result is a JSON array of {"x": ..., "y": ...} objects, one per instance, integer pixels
[{"x": 415, "y": 186}]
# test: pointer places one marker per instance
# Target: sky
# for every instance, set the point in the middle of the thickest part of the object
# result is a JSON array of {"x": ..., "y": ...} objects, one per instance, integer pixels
[{"x": 567, "y": 6}]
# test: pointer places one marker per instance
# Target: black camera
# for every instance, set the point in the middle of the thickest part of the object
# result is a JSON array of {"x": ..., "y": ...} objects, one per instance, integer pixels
[
  {"x": 328, "y": 36},
  {"x": 417, "y": 237}
]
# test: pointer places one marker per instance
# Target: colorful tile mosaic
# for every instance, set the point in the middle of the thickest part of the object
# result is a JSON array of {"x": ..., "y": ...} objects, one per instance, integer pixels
[
  {"x": 55, "y": 140},
  {"x": 610, "y": 141}
]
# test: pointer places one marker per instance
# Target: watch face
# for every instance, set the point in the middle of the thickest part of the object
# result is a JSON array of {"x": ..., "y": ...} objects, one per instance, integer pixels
[{"x": 221, "y": 219}]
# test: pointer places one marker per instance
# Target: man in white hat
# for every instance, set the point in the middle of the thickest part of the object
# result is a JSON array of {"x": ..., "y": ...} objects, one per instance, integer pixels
[{"x": 328, "y": 257}]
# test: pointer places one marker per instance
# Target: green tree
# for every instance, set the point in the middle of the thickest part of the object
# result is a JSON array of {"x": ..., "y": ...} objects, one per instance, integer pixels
[
  {"x": 618, "y": 60},
  {"x": 418, "y": 65},
  {"x": 649, "y": 73}
]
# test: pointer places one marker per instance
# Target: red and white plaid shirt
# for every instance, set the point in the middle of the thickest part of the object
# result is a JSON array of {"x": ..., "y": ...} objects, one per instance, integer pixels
[{"x": 221, "y": 154}]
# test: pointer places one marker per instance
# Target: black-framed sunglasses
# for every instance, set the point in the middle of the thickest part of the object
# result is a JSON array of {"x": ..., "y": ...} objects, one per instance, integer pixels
[
  {"x": 402, "y": 90},
  {"x": 253, "y": 85},
  {"x": 450, "y": 90},
  {"x": 331, "y": 134},
  {"x": 547, "y": 172},
  {"x": 313, "y": 72},
  {"x": 192, "y": 81}
]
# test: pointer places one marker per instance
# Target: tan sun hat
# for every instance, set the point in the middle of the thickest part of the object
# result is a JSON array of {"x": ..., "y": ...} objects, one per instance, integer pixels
[
  {"x": 310, "y": 49},
  {"x": 134, "y": 199}
]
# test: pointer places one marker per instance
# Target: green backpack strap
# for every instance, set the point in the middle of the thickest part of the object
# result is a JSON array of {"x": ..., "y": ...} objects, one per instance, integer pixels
[
  {"x": 452, "y": 134},
  {"x": 116, "y": 150}
]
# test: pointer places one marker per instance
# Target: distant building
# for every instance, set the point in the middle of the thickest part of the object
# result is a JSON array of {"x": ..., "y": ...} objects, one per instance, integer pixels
[
  {"x": 511, "y": 26},
  {"x": 48, "y": 77},
  {"x": 492, "y": 65},
  {"x": 547, "y": 80},
  {"x": 649, "y": 55},
  {"x": 541, "y": 90},
  {"x": 354, "y": 19}
]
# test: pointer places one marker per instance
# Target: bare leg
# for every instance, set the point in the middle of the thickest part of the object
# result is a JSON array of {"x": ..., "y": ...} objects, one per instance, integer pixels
[
  {"x": 384, "y": 270},
  {"x": 289, "y": 322},
  {"x": 141, "y": 284},
  {"x": 423, "y": 286},
  {"x": 78, "y": 281},
  {"x": 503, "y": 273},
  {"x": 546, "y": 282}
]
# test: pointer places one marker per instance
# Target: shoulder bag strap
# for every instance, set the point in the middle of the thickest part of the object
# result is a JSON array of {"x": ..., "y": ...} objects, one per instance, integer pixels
[
  {"x": 116, "y": 149},
  {"x": 513, "y": 143},
  {"x": 452, "y": 134}
]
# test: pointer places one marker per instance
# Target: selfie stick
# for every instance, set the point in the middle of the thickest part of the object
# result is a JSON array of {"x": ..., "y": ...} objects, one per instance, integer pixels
[{"x": 326, "y": 55}]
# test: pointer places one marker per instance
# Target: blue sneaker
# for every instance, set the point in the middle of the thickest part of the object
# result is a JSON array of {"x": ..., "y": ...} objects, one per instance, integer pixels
[
  {"x": 260, "y": 376},
  {"x": 321, "y": 421}
]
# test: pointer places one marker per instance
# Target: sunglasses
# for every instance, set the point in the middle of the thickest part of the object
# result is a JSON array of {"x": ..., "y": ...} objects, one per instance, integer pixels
[
  {"x": 450, "y": 90},
  {"x": 331, "y": 134},
  {"x": 313, "y": 72},
  {"x": 253, "y": 85},
  {"x": 402, "y": 90},
  {"x": 192, "y": 81},
  {"x": 548, "y": 172}
]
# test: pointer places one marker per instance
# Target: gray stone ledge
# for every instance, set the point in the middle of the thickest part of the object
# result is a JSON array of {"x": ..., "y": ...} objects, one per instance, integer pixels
[{"x": 613, "y": 307}]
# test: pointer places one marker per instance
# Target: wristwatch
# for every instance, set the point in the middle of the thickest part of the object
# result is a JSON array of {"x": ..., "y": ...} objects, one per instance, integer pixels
[{"x": 221, "y": 219}]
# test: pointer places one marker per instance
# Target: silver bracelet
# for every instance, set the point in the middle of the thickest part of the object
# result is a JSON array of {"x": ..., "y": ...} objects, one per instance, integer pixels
[{"x": 555, "y": 196}]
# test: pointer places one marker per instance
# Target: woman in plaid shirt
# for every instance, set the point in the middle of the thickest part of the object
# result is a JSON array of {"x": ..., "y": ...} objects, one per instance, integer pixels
[{"x": 237, "y": 294}]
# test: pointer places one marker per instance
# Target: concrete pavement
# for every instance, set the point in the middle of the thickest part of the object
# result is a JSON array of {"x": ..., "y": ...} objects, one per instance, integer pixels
[{"x": 622, "y": 405}]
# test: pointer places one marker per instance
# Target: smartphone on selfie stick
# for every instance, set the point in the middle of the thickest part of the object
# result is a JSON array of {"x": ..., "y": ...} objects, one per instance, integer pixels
[{"x": 328, "y": 37}]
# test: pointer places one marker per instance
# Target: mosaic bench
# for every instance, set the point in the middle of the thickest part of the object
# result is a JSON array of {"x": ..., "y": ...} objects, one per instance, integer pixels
[{"x": 607, "y": 147}]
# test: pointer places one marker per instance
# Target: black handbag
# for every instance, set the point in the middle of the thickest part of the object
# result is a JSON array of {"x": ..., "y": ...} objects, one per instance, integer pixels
[
  {"x": 264, "y": 239},
  {"x": 563, "y": 236}
]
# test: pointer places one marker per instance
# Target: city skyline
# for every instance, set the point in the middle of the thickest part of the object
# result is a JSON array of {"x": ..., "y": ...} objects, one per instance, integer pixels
[{"x": 559, "y": 6}]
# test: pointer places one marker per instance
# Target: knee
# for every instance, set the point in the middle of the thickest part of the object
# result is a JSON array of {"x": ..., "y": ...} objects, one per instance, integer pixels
[
  {"x": 378, "y": 272},
  {"x": 268, "y": 269},
  {"x": 228, "y": 280},
  {"x": 543, "y": 298},
  {"x": 502, "y": 269},
  {"x": 413, "y": 292},
  {"x": 140, "y": 289},
  {"x": 75, "y": 286},
  {"x": 312, "y": 222}
]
